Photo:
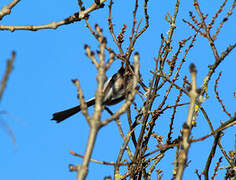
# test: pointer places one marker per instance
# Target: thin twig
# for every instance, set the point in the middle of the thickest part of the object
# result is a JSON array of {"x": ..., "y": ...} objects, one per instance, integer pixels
[
  {"x": 121, "y": 153},
  {"x": 54, "y": 25},
  {"x": 211, "y": 155},
  {"x": 218, "y": 97},
  {"x": 121, "y": 131},
  {"x": 216, "y": 168},
  {"x": 8, "y": 71},
  {"x": 111, "y": 29},
  {"x": 211, "y": 42},
  {"x": 97, "y": 161},
  {"x": 210, "y": 25},
  {"x": 168, "y": 140},
  {"x": 223, "y": 126},
  {"x": 83, "y": 104},
  {"x": 151, "y": 95},
  {"x": 229, "y": 13}
]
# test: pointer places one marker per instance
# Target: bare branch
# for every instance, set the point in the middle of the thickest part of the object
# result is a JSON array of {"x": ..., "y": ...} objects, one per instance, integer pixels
[
  {"x": 211, "y": 42},
  {"x": 54, "y": 25},
  {"x": 211, "y": 155},
  {"x": 83, "y": 104},
  {"x": 224, "y": 19},
  {"x": 218, "y": 97},
  {"x": 216, "y": 168},
  {"x": 7, "y": 9},
  {"x": 97, "y": 161},
  {"x": 8, "y": 71},
  {"x": 187, "y": 127}
]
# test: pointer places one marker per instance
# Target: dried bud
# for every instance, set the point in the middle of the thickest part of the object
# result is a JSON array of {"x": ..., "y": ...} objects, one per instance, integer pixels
[
  {"x": 188, "y": 88},
  {"x": 104, "y": 40},
  {"x": 86, "y": 46},
  {"x": 162, "y": 36},
  {"x": 73, "y": 167},
  {"x": 102, "y": 5},
  {"x": 185, "y": 126},
  {"x": 97, "y": 2},
  {"x": 74, "y": 80},
  {"x": 107, "y": 178},
  {"x": 199, "y": 90},
  {"x": 192, "y": 68},
  {"x": 92, "y": 53},
  {"x": 225, "y": 19},
  {"x": 98, "y": 52},
  {"x": 136, "y": 53},
  {"x": 13, "y": 53},
  {"x": 136, "y": 57},
  {"x": 112, "y": 53}
]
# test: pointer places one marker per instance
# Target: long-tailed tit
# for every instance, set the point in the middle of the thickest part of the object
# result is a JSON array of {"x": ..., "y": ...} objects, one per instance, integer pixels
[{"x": 115, "y": 90}]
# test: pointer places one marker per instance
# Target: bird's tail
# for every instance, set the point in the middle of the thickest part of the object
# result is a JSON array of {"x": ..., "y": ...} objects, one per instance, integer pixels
[{"x": 62, "y": 115}]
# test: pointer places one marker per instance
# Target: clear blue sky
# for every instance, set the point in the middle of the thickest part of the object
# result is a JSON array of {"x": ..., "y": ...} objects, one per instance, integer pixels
[{"x": 40, "y": 85}]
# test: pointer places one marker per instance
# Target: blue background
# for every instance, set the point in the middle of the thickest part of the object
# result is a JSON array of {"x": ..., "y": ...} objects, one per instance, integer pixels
[{"x": 46, "y": 62}]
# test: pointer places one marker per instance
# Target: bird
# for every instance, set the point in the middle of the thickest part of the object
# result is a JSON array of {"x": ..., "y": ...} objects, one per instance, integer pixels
[{"x": 114, "y": 91}]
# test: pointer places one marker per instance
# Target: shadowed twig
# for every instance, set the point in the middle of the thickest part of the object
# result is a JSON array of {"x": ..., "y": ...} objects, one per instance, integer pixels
[{"x": 7, "y": 73}]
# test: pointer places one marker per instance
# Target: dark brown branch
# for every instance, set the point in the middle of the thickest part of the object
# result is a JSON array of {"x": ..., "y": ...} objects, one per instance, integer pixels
[
  {"x": 224, "y": 19},
  {"x": 211, "y": 42},
  {"x": 216, "y": 168},
  {"x": 223, "y": 126},
  {"x": 218, "y": 97},
  {"x": 211, "y": 155},
  {"x": 210, "y": 25}
]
